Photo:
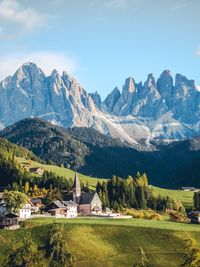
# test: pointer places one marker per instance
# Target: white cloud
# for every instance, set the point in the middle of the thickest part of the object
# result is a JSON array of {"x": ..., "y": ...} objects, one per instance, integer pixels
[
  {"x": 46, "y": 60},
  {"x": 28, "y": 18}
]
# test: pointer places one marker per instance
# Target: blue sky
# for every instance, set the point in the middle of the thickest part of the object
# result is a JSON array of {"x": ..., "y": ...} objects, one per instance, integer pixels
[{"x": 101, "y": 42}]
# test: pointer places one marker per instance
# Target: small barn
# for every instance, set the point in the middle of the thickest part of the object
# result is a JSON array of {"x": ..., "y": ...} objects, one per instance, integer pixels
[
  {"x": 9, "y": 220},
  {"x": 187, "y": 188},
  {"x": 37, "y": 170}
]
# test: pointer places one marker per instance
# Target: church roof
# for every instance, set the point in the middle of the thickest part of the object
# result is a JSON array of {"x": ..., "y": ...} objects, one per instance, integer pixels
[
  {"x": 87, "y": 198},
  {"x": 76, "y": 181}
]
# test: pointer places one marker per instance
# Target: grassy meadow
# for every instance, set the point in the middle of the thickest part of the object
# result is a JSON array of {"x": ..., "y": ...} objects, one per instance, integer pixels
[
  {"x": 186, "y": 197},
  {"x": 112, "y": 242},
  {"x": 67, "y": 173}
]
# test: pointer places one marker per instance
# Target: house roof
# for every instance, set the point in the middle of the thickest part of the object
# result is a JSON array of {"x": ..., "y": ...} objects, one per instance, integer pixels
[
  {"x": 188, "y": 188},
  {"x": 36, "y": 200},
  {"x": 58, "y": 209},
  {"x": 86, "y": 198},
  {"x": 34, "y": 169},
  {"x": 11, "y": 215},
  {"x": 2, "y": 203},
  {"x": 58, "y": 203},
  {"x": 69, "y": 203}
]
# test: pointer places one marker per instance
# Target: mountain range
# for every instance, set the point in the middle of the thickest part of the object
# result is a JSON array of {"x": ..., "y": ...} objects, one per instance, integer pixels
[{"x": 142, "y": 114}]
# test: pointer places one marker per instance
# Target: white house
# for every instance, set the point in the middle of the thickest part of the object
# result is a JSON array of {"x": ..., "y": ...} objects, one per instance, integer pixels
[
  {"x": 25, "y": 211},
  {"x": 71, "y": 209}
]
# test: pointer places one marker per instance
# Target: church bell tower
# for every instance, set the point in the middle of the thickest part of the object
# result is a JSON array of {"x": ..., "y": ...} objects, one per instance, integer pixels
[{"x": 76, "y": 190}]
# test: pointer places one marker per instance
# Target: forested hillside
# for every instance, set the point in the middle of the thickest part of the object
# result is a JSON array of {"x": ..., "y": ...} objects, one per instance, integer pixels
[
  {"x": 10, "y": 171},
  {"x": 91, "y": 153},
  {"x": 51, "y": 143}
]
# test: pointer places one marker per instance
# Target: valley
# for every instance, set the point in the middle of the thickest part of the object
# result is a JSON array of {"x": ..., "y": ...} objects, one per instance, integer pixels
[{"x": 99, "y": 133}]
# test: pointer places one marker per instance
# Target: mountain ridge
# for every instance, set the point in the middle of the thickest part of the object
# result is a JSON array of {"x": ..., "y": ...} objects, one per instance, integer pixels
[
  {"x": 91, "y": 153},
  {"x": 161, "y": 110}
]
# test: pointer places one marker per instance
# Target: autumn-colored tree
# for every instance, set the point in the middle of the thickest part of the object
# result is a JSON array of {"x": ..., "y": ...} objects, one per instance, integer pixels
[{"x": 15, "y": 200}]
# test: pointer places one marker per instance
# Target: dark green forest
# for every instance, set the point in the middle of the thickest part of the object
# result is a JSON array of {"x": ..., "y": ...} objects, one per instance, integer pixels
[
  {"x": 91, "y": 153},
  {"x": 133, "y": 192}
]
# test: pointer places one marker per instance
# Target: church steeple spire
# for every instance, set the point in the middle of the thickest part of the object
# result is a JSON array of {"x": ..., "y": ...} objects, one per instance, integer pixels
[{"x": 76, "y": 189}]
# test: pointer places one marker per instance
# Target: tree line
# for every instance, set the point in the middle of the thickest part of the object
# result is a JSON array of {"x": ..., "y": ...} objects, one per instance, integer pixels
[{"x": 133, "y": 192}]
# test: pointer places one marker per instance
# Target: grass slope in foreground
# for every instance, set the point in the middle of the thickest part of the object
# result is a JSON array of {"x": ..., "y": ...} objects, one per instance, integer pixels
[
  {"x": 101, "y": 242},
  {"x": 67, "y": 173}
]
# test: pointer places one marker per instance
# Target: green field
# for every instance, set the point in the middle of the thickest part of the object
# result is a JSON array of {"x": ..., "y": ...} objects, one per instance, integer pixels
[
  {"x": 108, "y": 242},
  {"x": 186, "y": 197},
  {"x": 67, "y": 173}
]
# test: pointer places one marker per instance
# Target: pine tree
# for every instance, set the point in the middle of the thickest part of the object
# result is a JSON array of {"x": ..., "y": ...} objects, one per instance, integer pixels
[
  {"x": 141, "y": 198},
  {"x": 58, "y": 248}
]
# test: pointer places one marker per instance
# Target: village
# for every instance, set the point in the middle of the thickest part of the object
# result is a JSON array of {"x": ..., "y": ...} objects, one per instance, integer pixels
[{"x": 76, "y": 204}]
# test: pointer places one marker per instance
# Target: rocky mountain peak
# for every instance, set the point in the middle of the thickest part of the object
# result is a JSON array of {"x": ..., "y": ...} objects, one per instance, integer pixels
[
  {"x": 54, "y": 73},
  {"x": 129, "y": 85},
  {"x": 96, "y": 98},
  {"x": 153, "y": 110},
  {"x": 150, "y": 81},
  {"x": 165, "y": 87},
  {"x": 111, "y": 100},
  {"x": 28, "y": 70},
  {"x": 180, "y": 80},
  {"x": 166, "y": 73}
]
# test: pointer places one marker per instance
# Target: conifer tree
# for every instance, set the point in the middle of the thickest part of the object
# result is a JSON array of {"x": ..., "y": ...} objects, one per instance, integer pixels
[{"x": 58, "y": 248}]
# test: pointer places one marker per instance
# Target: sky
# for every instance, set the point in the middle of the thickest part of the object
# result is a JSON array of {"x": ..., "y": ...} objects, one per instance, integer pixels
[{"x": 101, "y": 42}]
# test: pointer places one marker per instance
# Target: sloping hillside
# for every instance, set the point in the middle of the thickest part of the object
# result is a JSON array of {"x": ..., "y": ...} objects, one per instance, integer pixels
[
  {"x": 10, "y": 171},
  {"x": 100, "y": 242},
  {"x": 94, "y": 154}
]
